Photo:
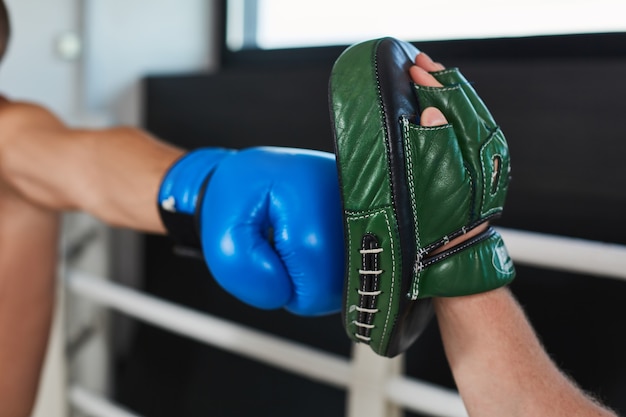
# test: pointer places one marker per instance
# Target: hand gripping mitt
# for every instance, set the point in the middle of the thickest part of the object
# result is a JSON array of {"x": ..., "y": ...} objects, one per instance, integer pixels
[{"x": 409, "y": 190}]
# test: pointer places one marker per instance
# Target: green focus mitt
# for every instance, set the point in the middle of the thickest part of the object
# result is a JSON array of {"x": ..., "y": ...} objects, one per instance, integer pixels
[{"x": 408, "y": 190}]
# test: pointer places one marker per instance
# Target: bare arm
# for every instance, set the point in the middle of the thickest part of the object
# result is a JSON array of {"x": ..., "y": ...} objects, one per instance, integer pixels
[
  {"x": 28, "y": 253},
  {"x": 499, "y": 365},
  {"x": 45, "y": 167},
  {"x": 113, "y": 174}
]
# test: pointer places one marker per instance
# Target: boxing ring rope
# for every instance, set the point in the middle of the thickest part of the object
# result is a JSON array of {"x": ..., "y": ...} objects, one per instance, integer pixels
[
  {"x": 320, "y": 366},
  {"x": 566, "y": 254},
  {"x": 528, "y": 248},
  {"x": 94, "y": 405}
]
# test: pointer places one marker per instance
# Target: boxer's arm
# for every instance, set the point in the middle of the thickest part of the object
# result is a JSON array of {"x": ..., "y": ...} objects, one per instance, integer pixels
[
  {"x": 498, "y": 363},
  {"x": 113, "y": 174},
  {"x": 28, "y": 252}
]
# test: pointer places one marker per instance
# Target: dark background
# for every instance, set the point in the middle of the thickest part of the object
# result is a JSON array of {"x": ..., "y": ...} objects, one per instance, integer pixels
[{"x": 560, "y": 102}]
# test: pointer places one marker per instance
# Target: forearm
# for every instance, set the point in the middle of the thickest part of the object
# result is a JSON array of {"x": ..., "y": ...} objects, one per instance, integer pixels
[
  {"x": 498, "y": 363},
  {"x": 28, "y": 253},
  {"x": 119, "y": 173},
  {"x": 113, "y": 174}
]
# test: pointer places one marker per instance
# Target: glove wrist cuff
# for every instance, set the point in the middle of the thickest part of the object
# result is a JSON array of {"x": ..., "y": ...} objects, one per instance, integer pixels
[
  {"x": 477, "y": 265},
  {"x": 181, "y": 191}
]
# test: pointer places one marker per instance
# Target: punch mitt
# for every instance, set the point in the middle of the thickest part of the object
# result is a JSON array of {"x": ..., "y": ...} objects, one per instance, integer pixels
[{"x": 409, "y": 190}]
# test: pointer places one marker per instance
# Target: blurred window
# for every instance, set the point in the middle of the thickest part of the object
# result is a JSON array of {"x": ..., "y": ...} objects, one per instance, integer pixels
[{"x": 279, "y": 24}]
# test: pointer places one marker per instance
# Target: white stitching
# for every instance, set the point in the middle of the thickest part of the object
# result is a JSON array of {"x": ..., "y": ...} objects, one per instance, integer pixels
[
  {"x": 368, "y": 251},
  {"x": 367, "y": 310},
  {"x": 446, "y": 71},
  {"x": 393, "y": 260},
  {"x": 431, "y": 128},
  {"x": 419, "y": 128},
  {"x": 438, "y": 89},
  {"x": 393, "y": 275},
  {"x": 364, "y": 325},
  {"x": 471, "y": 243},
  {"x": 364, "y": 338},
  {"x": 419, "y": 267},
  {"x": 369, "y": 293},
  {"x": 482, "y": 164},
  {"x": 369, "y": 272},
  {"x": 409, "y": 163}
]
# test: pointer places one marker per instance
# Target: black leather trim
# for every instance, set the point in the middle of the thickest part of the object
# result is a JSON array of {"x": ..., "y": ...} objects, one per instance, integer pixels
[
  {"x": 393, "y": 60},
  {"x": 181, "y": 228}
]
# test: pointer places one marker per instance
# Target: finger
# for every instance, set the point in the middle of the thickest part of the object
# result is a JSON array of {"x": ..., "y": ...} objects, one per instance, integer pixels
[
  {"x": 432, "y": 116},
  {"x": 421, "y": 77},
  {"x": 424, "y": 61}
]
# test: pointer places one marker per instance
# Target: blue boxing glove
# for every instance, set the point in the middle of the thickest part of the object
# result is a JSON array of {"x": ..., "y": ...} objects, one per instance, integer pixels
[{"x": 268, "y": 221}]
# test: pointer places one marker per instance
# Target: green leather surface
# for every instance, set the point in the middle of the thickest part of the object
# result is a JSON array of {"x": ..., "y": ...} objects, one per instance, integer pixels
[
  {"x": 462, "y": 180},
  {"x": 379, "y": 221},
  {"x": 366, "y": 192},
  {"x": 440, "y": 184},
  {"x": 479, "y": 138},
  {"x": 457, "y": 177},
  {"x": 478, "y": 268},
  {"x": 359, "y": 133}
]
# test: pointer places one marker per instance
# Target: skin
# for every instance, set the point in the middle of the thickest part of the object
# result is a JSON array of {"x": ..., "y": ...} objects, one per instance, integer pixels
[
  {"x": 96, "y": 171},
  {"x": 27, "y": 232},
  {"x": 46, "y": 168}
]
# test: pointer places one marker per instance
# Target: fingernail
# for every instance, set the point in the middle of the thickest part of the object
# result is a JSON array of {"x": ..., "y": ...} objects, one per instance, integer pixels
[
  {"x": 438, "y": 119},
  {"x": 432, "y": 116}
]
